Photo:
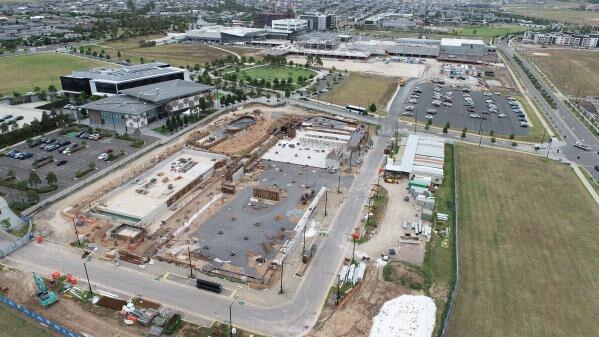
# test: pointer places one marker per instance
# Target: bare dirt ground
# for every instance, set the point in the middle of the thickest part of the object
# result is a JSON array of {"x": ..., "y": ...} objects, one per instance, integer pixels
[
  {"x": 95, "y": 321},
  {"x": 354, "y": 316},
  {"x": 376, "y": 66}
]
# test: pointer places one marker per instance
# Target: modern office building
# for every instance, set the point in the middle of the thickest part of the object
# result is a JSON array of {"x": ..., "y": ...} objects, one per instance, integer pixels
[
  {"x": 110, "y": 81},
  {"x": 224, "y": 34},
  {"x": 293, "y": 25},
  {"x": 320, "y": 22},
  {"x": 143, "y": 106},
  {"x": 265, "y": 19}
]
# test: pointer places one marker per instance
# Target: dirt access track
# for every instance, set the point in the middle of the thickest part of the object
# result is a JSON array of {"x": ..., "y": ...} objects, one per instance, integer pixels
[
  {"x": 372, "y": 66},
  {"x": 354, "y": 316},
  {"x": 81, "y": 318}
]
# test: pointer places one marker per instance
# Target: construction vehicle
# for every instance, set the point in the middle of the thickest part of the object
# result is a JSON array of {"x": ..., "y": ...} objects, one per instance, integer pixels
[{"x": 45, "y": 297}]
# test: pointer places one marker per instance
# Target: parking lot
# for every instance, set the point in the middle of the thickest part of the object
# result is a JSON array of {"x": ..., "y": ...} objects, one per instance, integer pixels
[
  {"x": 77, "y": 161},
  {"x": 503, "y": 121}
]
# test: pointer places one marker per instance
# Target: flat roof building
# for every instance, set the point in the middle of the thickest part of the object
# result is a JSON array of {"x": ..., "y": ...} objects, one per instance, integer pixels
[
  {"x": 293, "y": 25},
  {"x": 142, "y": 106},
  {"x": 225, "y": 34},
  {"x": 110, "y": 81},
  {"x": 151, "y": 193},
  {"x": 422, "y": 156}
]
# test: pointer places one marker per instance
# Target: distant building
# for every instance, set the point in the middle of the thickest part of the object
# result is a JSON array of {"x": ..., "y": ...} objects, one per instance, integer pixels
[
  {"x": 465, "y": 50},
  {"x": 320, "y": 22},
  {"x": 143, "y": 106},
  {"x": 589, "y": 41},
  {"x": 110, "y": 81},
  {"x": 292, "y": 25},
  {"x": 265, "y": 19},
  {"x": 225, "y": 34}
]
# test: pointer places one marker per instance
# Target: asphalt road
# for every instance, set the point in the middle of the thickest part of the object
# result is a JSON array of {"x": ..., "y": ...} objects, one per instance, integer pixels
[
  {"x": 291, "y": 318},
  {"x": 568, "y": 125}
]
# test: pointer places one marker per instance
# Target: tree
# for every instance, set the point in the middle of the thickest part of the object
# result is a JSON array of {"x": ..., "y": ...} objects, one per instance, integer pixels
[
  {"x": 51, "y": 88},
  {"x": 51, "y": 178},
  {"x": 92, "y": 166},
  {"x": 141, "y": 60},
  {"x": 118, "y": 54},
  {"x": 464, "y": 132},
  {"x": 32, "y": 197},
  {"x": 446, "y": 127},
  {"x": 372, "y": 107},
  {"x": 287, "y": 93},
  {"x": 185, "y": 120},
  {"x": 428, "y": 124},
  {"x": 34, "y": 180},
  {"x": 169, "y": 125},
  {"x": 512, "y": 136}
]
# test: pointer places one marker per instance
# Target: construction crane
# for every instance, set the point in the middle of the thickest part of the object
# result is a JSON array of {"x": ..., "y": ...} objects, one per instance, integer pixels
[{"x": 45, "y": 297}]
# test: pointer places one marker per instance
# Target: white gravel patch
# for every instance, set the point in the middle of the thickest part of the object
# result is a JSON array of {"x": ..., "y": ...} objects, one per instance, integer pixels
[{"x": 405, "y": 316}]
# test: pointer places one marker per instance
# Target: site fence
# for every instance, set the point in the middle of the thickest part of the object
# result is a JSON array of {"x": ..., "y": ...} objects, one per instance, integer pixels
[
  {"x": 39, "y": 318},
  {"x": 18, "y": 242},
  {"x": 456, "y": 281}
]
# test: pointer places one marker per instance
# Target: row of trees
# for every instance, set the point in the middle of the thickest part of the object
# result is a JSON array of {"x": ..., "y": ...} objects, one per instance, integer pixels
[
  {"x": 29, "y": 188},
  {"x": 35, "y": 128}
]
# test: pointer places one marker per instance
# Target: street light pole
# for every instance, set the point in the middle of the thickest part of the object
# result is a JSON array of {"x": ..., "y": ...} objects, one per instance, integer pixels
[
  {"x": 326, "y": 202},
  {"x": 87, "y": 276},
  {"x": 415, "y": 119},
  {"x": 76, "y": 232},
  {"x": 282, "y": 273},
  {"x": 480, "y": 132},
  {"x": 339, "y": 182},
  {"x": 231, "y": 319},
  {"x": 550, "y": 140},
  {"x": 190, "y": 266}
]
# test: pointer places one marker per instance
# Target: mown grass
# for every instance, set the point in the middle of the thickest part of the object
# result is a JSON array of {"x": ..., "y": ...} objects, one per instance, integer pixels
[
  {"x": 363, "y": 90},
  {"x": 23, "y": 73},
  {"x": 528, "y": 248}
]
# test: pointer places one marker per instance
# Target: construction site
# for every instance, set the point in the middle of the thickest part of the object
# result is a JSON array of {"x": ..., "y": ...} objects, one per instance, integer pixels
[{"x": 233, "y": 199}]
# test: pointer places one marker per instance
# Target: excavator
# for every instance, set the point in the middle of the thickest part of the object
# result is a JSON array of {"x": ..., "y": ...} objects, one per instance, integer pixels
[{"x": 45, "y": 297}]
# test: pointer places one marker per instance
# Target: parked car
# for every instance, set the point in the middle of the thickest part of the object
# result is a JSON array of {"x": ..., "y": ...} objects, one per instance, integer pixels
[
  {"x": 523, "y": 124},
  {"x": 34, "y": 143},
  {"x": 61, "y": 162},
  {"x": 474, "y": 116},
  {"x": 410, "y": 108},
  {"x": 431, "y": 111},
  {"x": 501, "y": 115},
  {"x": 7, "y": 117},
  {"x": 19, "y": 118},
  {"x": 428, "y": 116},
  {"x": 64, "y": 142},
  {"x": 104, "y": 157},
  {"x": 40, "y": 158}
]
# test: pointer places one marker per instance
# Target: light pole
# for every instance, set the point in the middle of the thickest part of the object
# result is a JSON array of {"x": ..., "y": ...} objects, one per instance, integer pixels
[
  {"x": 282, "y": 274},
  {"x": 355, "y": 236},
  {"x": 87, "y": 276},
  {"x": 76, "y": 232},
  {"x": 339, "y": 182},
  {"x": 190, "y": 266},
  {"x": 326, "y": 202},
  {"x": 231, "y": 314},
  {"x": 480, "y": 132},
  {"x": 415, "y": 119},
  {"x": 549, "y": 140}
]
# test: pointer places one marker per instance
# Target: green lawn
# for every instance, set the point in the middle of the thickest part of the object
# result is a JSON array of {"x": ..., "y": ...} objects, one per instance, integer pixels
[
  {"x": 270, "y": 72},
  {"x": 528, "y": 248},
  {"x": 488, "y": 31},
  {"x": 439, "y": 260},
  {"x": 362, "y": 90},
  {"x": 22, "y": 73},
  {"x": 13, "y": 323},
  {"x": 564, "y": 13}
]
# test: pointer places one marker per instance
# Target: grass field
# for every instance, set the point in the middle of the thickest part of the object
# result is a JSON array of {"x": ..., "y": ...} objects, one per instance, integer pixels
[
  {"x": 566, "y": 13},
  {"x": 528, "y": 248},
  {"x": 574, "y": 72},
  {"x": 439, "y": 260},
  {"x": 13, "y": 324},
  {"x": 362, "y": 90},
  {"x": 176, "y": 54},
  {"x": 269, "y": 73},
  {"x": 22, "y": 73}
]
